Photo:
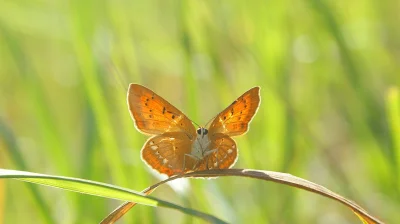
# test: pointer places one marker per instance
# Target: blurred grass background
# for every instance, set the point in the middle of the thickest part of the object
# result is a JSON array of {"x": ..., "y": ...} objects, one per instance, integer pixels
[{"x": 329, "y": 73}]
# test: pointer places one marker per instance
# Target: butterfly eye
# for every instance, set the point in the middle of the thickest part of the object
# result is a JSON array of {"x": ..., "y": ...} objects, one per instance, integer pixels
[
  {"x": 205, "y": 131},
  {"x": 199, "y": 131}
]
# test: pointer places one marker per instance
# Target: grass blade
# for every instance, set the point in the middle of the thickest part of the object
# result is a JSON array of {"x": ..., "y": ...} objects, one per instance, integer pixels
[
  {"x": 99, "y": 189},
  {"x": 393, "y": 114},
  {"x": 16, "y": 157},
  {"x": 278, "y": 177}
]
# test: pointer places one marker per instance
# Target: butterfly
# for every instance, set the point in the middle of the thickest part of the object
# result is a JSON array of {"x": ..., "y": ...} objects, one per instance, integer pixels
[{"x": 176, "y": 146}]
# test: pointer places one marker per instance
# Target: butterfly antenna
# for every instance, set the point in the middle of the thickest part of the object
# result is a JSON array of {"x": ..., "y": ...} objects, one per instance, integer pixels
[
  {"x": 194, "y": 123},
  {"x": 211, "y": 120}
]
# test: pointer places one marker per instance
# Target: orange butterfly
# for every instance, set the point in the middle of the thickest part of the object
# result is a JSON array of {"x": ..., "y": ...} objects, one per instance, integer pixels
[{"x": 176, "y": 146}]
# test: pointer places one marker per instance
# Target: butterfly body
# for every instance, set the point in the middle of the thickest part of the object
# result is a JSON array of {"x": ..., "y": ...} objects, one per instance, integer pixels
[{"x": 176, "y": 146}]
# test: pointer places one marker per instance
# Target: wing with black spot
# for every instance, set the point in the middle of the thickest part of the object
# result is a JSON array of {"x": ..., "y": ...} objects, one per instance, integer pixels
[
  {"x": 235, "y": 119},
  {"x": 154, "y": 115}
]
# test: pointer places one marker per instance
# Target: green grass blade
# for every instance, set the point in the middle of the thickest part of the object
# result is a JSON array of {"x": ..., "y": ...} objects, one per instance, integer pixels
[
  {"x": 393, "y": 114},
  {"x": 95, "y": 94},
  {"x": 99, "y": 189},
  {"x": 16, "y": 157},
  {"x": 79, "y": 185}
]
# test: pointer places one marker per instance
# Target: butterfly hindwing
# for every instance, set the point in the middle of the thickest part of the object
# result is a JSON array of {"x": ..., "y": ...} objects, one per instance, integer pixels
[
  {"x": 234, "y": 120},
  {"x": 165, "y": 153},
  {"x": 223, "y": 153},
  {"x": 153, "y": 115}
]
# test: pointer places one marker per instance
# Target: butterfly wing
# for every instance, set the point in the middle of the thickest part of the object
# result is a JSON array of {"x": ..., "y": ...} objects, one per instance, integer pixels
[
  {"x": 153, "y": 115},
  {"x": 166, "y": 152},
  {"x": 235, "y": 119},
  {"x": 224, "y": 153}
]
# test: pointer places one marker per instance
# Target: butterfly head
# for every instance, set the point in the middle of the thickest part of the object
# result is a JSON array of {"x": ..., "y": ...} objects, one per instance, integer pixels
[{"x": 201, "y": 132}]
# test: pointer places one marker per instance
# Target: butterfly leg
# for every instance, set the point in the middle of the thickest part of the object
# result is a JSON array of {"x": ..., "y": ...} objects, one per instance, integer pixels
[{"x": 190, "y": 156}]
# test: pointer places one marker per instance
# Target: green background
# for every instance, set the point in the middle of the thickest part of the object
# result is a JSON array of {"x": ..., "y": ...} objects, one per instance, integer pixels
[{"x": 329, "y": 74}]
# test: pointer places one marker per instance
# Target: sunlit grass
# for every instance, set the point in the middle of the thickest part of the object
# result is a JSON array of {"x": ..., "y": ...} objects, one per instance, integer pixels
[{"x": 329, "y": 79}]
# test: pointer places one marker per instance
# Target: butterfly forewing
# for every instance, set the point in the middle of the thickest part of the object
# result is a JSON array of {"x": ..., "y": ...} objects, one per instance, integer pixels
[
  {"x": 154, "y": 115},
  {"x": 224, "y": 155},
  {"x": 235, "y": 119},
  {"x": 165, "y": 153}
]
